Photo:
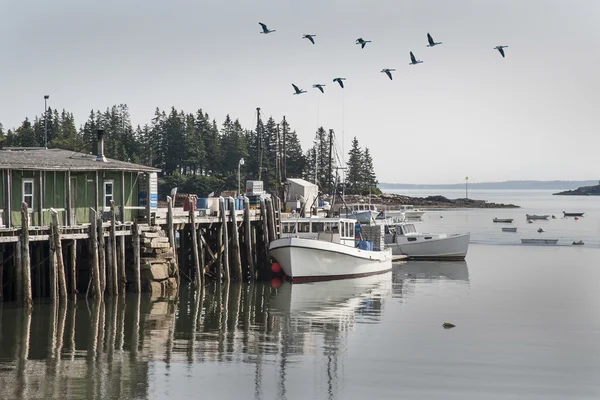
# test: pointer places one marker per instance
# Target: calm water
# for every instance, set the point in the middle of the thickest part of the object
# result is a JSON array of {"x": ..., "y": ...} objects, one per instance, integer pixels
[{"x": 527, "y": 327}]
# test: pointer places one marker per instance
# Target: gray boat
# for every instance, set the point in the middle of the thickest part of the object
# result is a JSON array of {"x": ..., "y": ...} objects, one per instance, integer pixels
[{"x": 539, "y": 241}]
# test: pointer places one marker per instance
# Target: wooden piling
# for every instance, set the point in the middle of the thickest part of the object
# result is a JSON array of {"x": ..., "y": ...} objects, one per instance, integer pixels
[
  {"x": 225, "y": 236},
  {"x": 248, "y": 239},
  {"x": 1, "y": 274},
  {"x": 171, "y": 234},
  {"x": 235, "y": 246},
  {"x": 265, "y": 230},
  {"x": 104, "y": 273},
  {"x": 119, "y": 275},
  {"x": 101, "y": 252},
  {"x": 137, "y": 282},
  {"x": 197, "y": 271},
  {"x": 60, "y": 270},
  {"x": 52, "y": 269},
  {"x": 202, "y": 254},
  {"x": 93, "y": 244},
  {"x": 73, "y": 249},
  {"x": 270, "y": 219},
  {"x": 26, "y": 267}
]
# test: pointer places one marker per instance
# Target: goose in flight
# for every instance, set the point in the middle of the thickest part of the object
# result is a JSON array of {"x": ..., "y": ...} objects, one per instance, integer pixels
[
  {"x": 431, "y": 41},
  {"x": 265, "y": 29},
  {"x": 362, "y": 42},
  {"x": 388, "y": 72},
  {"x": 340, "y": 81},
  {"x": 413, "y": 59},
  {"x": 319, "y": 86},
  {"x": 298, "y": 90},
  {"x": 500, "y": 49},
  {"x": 309, "y": 37}
]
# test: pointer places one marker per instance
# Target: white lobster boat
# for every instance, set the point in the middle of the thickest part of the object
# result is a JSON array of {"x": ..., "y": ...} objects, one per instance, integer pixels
[
  {"x": 314, "y": 249},
  {"x": 403, "y": 238}
]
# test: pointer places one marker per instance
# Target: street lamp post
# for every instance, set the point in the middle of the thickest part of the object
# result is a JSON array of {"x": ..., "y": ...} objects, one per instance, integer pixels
[
  {"x": 466, "y": 187},
  {"x": 240, "y": 163},
  {"x": 46, "y": 97}
]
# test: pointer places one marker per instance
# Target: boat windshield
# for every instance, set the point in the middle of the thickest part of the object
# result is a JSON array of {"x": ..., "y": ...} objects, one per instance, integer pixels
[{"x": 407, "y": 228}]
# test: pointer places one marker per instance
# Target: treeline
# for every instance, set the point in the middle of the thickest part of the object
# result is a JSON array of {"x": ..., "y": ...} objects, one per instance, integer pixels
[{"x": 196, "y": 154}]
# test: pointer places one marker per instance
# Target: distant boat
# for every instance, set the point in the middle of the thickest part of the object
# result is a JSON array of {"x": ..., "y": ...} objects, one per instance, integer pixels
[
  {"x": 509, "y": 229},
  {"x": 579, "y": 243},
  {"x": 530, "y": 221},
  {"x": 535, "y": 216},
  {"x": 507, "y": 220},
  {"x": 539, "y": 241},
  {"x": 577, "y": 214},
  {"x": 411, "y": 212}
]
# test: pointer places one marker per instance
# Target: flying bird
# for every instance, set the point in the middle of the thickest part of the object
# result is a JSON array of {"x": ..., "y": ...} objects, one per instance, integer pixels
[
  {"x": 431, "y": 41},
  {"x": 340, "y": 81},
  {"x": 413, "y": 59},
  {"x": 298, "y": 91},
  {"x": 320, "y": 87},
  {"x": 362, "y": 42},
  {"x": 309, "y": 37},
  {"x": 388, "y": 72},
  {"x": 265, "y": 29},
  {"x": 500, "y": 49}
]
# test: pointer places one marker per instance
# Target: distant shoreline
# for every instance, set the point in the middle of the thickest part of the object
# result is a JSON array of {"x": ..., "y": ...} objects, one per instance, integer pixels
[
  {"x": 394, "y": 201},
  {"x": 506, "y": 185}
]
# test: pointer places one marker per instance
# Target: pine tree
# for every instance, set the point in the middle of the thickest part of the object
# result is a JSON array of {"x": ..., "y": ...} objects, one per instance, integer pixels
[
  {"x": 369, "y": 179},
  {"x": 355, "y": 166}
]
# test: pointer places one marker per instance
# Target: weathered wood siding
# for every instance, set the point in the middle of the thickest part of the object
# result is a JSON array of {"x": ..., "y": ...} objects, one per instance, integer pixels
[{"x": 54, "y": 189}]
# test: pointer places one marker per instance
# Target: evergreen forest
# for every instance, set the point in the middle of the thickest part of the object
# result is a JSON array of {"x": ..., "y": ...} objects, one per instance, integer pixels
[{"x": 198, "y": 155}]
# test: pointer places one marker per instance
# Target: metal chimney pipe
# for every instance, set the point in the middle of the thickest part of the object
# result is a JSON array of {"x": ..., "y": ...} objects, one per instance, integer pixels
[{"x": 100, "y": 156}]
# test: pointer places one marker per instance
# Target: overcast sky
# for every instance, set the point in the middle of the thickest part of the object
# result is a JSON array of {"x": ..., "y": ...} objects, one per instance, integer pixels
[{"x": 464, "y": 111}]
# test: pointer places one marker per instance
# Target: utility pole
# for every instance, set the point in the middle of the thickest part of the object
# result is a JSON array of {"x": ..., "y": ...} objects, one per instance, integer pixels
[
  {"x": 259, "y": 142},
  {"x": 330, "y": 162},
  {"x": 466, "y": 187},
  {"x": 46, "y": 97}
]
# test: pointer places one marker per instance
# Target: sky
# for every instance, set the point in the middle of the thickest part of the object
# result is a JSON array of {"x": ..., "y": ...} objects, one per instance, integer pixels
[{"x": 465, "y": 111}]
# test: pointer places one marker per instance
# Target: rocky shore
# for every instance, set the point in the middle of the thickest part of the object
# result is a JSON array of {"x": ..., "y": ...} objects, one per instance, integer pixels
[
  {"x": 582, "y": 191},
  {"x": 391, "y": 201}
]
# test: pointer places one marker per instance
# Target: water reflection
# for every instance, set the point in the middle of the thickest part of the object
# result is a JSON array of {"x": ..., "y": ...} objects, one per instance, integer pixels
[{"x": 109, "y": 349}]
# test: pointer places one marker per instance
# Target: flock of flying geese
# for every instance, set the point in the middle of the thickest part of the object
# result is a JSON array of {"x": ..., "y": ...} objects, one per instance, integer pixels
[{"x": 363, "y": 43}]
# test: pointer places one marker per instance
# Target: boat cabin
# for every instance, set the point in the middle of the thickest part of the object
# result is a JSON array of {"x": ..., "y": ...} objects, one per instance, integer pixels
[{"x": 339, "y": 230}]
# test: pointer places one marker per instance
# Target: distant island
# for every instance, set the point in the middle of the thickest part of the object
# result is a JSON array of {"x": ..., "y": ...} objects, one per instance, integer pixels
[
  {"x": 395, "y": 201},
  {"x": 506, "y": 185},
  {"x": 582, "y": 191}
]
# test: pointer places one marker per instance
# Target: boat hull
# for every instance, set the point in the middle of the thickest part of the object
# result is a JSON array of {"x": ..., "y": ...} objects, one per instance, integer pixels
[
  {"x": 539, "y": 241},
  {"x": 365, "y": 217},
  {"x": 537, "y": 216},
  {"x": 566, "y": 214},
  {"x": 452, "y": 247},
  {"x": 414, "y": 214},
  {"x": 503, "y": 220},
  {"x": 509, "y": 229},
  {"x": 309, "y": 260}
]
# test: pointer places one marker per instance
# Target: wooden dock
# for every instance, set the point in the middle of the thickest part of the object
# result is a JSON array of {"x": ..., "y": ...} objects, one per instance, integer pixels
[{"x": 108, "y": 256}]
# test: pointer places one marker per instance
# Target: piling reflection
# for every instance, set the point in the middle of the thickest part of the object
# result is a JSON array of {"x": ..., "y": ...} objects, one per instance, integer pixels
[{"x": 109, "y": 349}]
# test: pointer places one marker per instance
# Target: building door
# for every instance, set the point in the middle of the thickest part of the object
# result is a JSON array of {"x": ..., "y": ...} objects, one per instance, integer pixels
[{"x": 73, "y": 183}]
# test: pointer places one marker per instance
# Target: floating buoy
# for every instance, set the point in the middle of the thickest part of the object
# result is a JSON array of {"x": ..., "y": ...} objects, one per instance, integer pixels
[
  {"x": 576, "y": 218},
  {"x": 448, "y": 325},
  {"x": 540, "y": 230},
  {"x": 276, "y": 268},
  {"x": 275, "y": 282}
]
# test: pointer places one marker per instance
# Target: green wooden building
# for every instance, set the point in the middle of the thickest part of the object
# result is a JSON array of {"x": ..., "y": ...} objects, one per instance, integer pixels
[{"x": 71, "y": 183}]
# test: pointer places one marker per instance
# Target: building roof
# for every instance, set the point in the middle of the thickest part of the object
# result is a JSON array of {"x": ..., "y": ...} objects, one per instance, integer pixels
[
  {"x": 301, "y": 182},
  {"x": 62, "y": 160}
]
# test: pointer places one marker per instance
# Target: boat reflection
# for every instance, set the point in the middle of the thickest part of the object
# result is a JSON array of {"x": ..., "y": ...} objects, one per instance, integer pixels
[
  {"x": 432, "y": 270},
  {"x": 333, "y": 300}
]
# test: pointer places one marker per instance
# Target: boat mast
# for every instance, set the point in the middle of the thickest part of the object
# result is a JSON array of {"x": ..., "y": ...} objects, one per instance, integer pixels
[{"x": 330, "y": 177}]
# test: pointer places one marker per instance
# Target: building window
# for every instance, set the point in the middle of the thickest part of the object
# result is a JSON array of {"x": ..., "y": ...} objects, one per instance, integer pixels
[
  {"x": 108, "y": 194},
  {"x": 28, "y": 193}
]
